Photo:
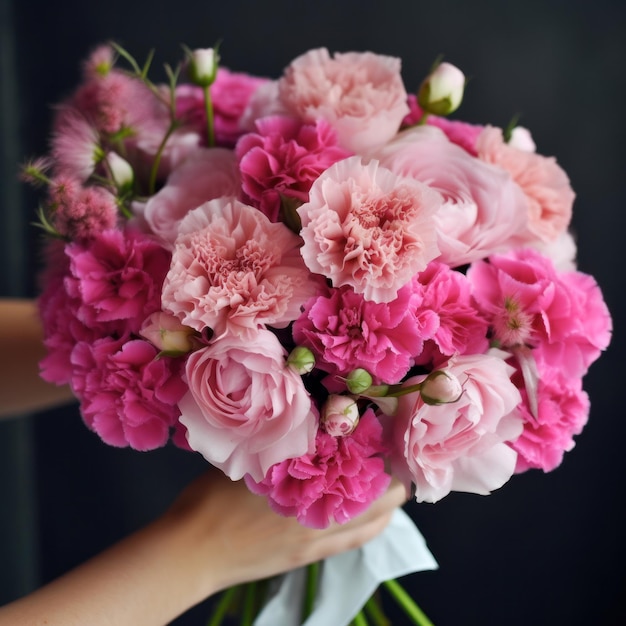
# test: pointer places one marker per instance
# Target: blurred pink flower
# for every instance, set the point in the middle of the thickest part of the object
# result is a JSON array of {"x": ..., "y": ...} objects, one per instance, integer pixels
[
  {"x": 234, "y": 270},
  {"x": 484, "y": 209},
  {"x": 368, "y": 228},
  {"x": 338, "y": 481},
  {"x": 546, "y": 185},
  {"x": 245, "y": 410},
  {"x": 459, "y": 446},
  {"x": 284, "y": 157},
  {"x": 361, "y": 95},
  {"x": 128, "y": 396},
  {"x": 205, "y": 174},
  {"x": 344, "y": 331}
]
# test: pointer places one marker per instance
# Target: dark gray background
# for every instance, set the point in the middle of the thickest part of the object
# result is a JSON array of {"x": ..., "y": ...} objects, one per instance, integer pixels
[{"x": 545, "y": 549}]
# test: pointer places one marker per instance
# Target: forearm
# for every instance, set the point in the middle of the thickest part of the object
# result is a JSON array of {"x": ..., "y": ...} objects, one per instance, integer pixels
[{"x": 21, "y": 346}]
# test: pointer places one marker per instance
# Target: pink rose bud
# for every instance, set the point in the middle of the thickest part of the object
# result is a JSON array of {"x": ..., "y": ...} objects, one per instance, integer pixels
[
  {"x": 167, "y": 334},
  {"x": 202, "y": 66},
  {"x": 441, "y": 387},
  {"x": 358, "y": 381},
  {"x": 442, "y": 91},
  {"x": 340, "y": 415},
  {"x": 120, "y": 170},
  {"x": 522, "y": 139},
  {"x": 301, "y": 360}
]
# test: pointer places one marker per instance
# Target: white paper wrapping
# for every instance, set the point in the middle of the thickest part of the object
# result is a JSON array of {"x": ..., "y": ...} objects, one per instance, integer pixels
[{"x": 347, "y": 580}]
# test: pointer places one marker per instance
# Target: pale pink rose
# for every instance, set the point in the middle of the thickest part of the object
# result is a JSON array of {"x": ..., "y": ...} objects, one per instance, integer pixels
[
  {"x": 369, "y": 228},
  {"x": 546, "y": 185},
  {"x": 246, "y": 411},
  {"x": 206, "y": 174},
  {"x": 484, "y": 210},
  {"x": 459, "y": 446},
  {"x": 361, "y": 94},
  {"x": 234, "y": 270}
]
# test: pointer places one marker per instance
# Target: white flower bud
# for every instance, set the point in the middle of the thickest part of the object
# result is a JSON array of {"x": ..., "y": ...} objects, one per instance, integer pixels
[
  {"x": 522, "y": 139},
  {"x": 167, "y": 334},
  {"x": 121, "y": 170},
  {"x": 301, "y": 360},
  {"x": 202, "y": 66},
  {"x": 441, "y": 387},
  {"x": 340, "y": 415},
  {"x": 441, "y": 92}
]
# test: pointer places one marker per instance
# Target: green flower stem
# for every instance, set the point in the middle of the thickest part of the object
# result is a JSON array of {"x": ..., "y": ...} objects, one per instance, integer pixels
[
  {"x": 375, "y": 612},
  {"x": 222, "y": 607},
  {"x": 360, "y": 619},
  {"x": 210, "y": 124},
  {"x": 312, "y": 575},
  {"x": 406, "y": 602},
  {"x": 157, "y": 159},
  {"x": 249, "y": 603}
]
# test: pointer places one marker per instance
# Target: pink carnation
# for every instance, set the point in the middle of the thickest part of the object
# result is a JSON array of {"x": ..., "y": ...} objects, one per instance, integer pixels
[
  {"x": 562, "y": 412},
  {"x": 461, "y": 328},
  {"x": 117, "y": 276},
  {"x": 484, "y": 210},
  {"x": 128, "y": 396},
  {"x": 458, "y": 132},
  {"x": 546, "y": 185},
  {"x": 338, "y": 481},
  {"x": 204, "y": 175},
  {"x": 233, "y": 269},
  {"x": 245, "y": 410},
  {"x": 368, "y": 228},
  {"x": 230, "y": 94},
  {"x": 344, "y": 331},
  {"x": 459, "y": 446},
  {"x": 526, "y": 301},
  {"x": 361, "y": 95},
  {"x": 284, "y": 157}
]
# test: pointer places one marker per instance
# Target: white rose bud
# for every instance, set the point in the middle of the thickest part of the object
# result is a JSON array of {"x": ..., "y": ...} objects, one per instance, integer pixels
[
  {"x": 340, "y": 415},
  {"x": 441, "y": 387},
  {"x": 202, "y": 66},
  {"x": 301, "y": 360},
  {"x": 522, "y": 139},
  {"x": 441, "y": 92},
  {"x": 121, "y": 170}
]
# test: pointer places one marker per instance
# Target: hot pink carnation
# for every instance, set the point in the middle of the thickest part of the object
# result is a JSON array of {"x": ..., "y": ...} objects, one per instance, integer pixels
[
  {"x": 117, "y": 276},
  {"x": 484, "y": 210},
  {"x": 344, "y": 331},
  {"x": 361, "y": 94},
  {"x": 233, "y": 269},
  {"x": 461, "y": 328},
  {"x": 245, "y": 410},
  {"x": 128, "y": 396},
  {"x": 284, "y": 157},
  {"x": 337, "y": 482},
  {"x": 526, "y": 301},
  {"x": 562, "y": 412},
  {"x": 230, "y": 94},
  {"x": 459, "y": 446},
  {"x": 546, "y": 185},
  {"x": 204, "y": 175},
  {"x": 368, "y": 228}
]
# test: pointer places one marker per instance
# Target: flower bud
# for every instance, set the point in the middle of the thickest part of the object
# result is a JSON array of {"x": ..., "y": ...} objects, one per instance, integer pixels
[
  {"x": 202, "y": 67},
  {"x": 358, "y": 381},
  {"x": 442, "y": 91},
  {"x": 441, "y": 387},
  {"x": 340, "y": 415},
  {"x": 301, "y": 360},
  {"x": 522, "y": 139},
  {"x": 167, "y": 334},
  {"x": 121, "y": 171}
]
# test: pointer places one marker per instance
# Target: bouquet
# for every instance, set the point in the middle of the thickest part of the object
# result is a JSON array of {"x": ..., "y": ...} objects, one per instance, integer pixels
[{"x": 315, "y": 282}]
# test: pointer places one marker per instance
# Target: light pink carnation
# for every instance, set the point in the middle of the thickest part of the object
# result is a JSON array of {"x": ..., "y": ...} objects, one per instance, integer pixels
[
  {"x": 204, "y": 175},
  {"x": 245, "y": 410},
  {"x": 546, "y": 185},
  {"x": 368, "y": 228},
  {"x": 232, "y": 269},
  {"x": 283, "y": 158},
  {"x": 344, "y": 331},
  {"x": 461, "y": 328},
  {"x": 561, "y": 315},
  {"x": 337, "y": 482},
  {"x": 128, "y": 396},
  {"x": 484, "y": 209},
  {"x": 562, "y": 412},
  {"x": 117, "y": 276},
  {"x": 361, "y": 94},
  {"x": 459, "y": 446}
]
